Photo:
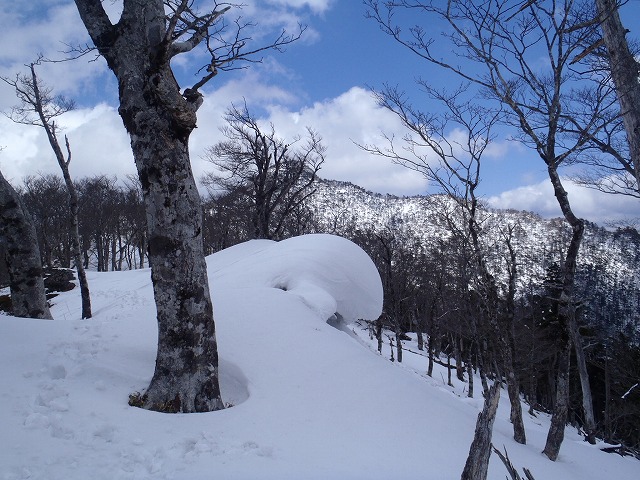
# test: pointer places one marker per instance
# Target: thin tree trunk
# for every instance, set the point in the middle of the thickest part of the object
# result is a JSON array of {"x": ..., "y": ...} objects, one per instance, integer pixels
[
  {"x": 100, "y": 252},
  {"x": 379, "y": 334},
  {"x": 513, "y": 385},
  {"x": 398, "y": 343},
  {"x": 585, "y": 384},
  {"x": 430, "y": 348},
  {"x": 607, "y": 398},
  {"x": 459, "y": 363},
  {"x": 420, "y": 331},
  {"x": 477, "y": 463},
  {"x": 449, "y": 368},
  {"x": 565, "y": 313},
  {"x": 63, "y": 162},
  {"x": 470, "y": 373},
  {"x": 502, "y": 331},
  {"x": 17, "y": 232}
]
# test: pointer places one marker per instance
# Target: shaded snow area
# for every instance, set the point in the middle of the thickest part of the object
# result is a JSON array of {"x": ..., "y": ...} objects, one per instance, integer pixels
[{"x": 309, "y": 400}]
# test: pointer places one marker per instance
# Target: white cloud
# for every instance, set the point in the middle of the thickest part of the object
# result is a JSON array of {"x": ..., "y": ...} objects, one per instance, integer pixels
[
  {"x": 99, "y": 145},
  {"x": 586, "y": 203},
  {"x": 49, "y": 32},
  {"x": 317, "y": 6},
  {"x": 351, "y": 118},
  {"x": 343, "y": 122}
]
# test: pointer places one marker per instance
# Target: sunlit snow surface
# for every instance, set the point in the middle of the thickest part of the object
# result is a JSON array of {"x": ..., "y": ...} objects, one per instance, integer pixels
[{"x": 310, "y": 401}]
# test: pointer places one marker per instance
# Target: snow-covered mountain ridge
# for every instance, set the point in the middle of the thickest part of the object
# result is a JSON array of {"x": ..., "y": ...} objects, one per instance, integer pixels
[{"x": 608, "y": 265}]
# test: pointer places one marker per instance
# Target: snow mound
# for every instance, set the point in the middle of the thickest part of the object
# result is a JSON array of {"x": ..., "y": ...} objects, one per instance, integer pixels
[{"x": 328, "y": 273}]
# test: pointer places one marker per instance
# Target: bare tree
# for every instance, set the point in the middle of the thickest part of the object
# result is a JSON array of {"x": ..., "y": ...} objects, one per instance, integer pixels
[
  {"x": 159, "y": 118},
  {"x": 277, "y": 176},
  {"x": 498, "y": 46},
  {"x": 18, "y": 235},
  {"x": 46, "y": 199},
  {"x": 41, "y": 108},
  {"x": 456, "y": 171}
]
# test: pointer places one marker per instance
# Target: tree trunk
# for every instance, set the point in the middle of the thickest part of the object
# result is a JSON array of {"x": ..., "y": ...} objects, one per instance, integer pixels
[
  {"x": 457, "y": 345},
  {"x": 516, "y": 408},
  {"x": 607, "y": 399},
  {"x": 398, "y": 343},
  {"x": 624, "y": 73},
  {"x": 470, "y": 373},
  {"x": 100, "y": 252},
  {"x": 159, "y": 121},
  {"x": 420, "y": 324},
  {"x": 63, "y": 162},
  {"x": 565, "y": 313},
  {"x": 513, "y": 385},
  {"x": 17, "y": 232},
  {"x": 477, "y": 463},
  {"x": 555, "y": 436},
  {"x": 75, "y": 243},
  {"x": 585, "y": 384},
  {"x": 430, "y": 348}
]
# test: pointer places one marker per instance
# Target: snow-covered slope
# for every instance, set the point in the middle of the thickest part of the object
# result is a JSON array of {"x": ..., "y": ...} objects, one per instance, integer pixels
[
  {"x": 608, "y": 263},
  {"x": 309, "y": 401}
]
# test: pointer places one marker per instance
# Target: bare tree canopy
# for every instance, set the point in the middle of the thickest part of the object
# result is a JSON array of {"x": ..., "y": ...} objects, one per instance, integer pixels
[
  {"x": 498, "y": 48},
  {"x": 275, "y": 175}
]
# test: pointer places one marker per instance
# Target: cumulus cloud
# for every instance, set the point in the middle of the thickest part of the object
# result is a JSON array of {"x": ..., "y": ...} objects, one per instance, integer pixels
[
  {"x": 587, "y": 203},
  {"x": 317, "y": 6},
  {"x": 99, "y": 146},
  {"x": 48, "y": 31},
  {"x": 343, "y": 122}
]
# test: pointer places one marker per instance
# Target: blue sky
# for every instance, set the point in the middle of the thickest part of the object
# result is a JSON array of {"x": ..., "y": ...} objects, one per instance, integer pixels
[{"x": 321, "y": 81}]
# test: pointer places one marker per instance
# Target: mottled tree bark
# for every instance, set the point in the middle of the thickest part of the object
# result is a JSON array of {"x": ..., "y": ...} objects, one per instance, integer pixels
[
  {"x": 159, "y": 120},
  {"x": 17, "y": 232}
]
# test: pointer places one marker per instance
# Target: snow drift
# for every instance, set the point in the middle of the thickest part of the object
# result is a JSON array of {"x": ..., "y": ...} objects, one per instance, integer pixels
[{"x": 309, "y": 402}]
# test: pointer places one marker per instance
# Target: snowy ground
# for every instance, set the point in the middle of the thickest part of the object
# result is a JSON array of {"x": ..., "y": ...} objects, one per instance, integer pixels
[{"x": 310, "y": 401}]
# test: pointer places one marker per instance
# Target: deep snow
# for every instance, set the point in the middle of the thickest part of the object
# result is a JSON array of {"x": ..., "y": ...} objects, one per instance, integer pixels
[{"x": 309, "y": 400}]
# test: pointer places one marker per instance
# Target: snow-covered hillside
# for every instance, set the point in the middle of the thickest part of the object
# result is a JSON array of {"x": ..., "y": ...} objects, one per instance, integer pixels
[
  {"x": 310, "y": 401},
  {"x": 608, "y": 263}
]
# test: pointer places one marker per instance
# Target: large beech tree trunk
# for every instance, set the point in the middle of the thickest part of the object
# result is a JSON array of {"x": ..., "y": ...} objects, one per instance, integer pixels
[
  {"x": 159, "y": 121},
  {"x": 28, "y": 297}
]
